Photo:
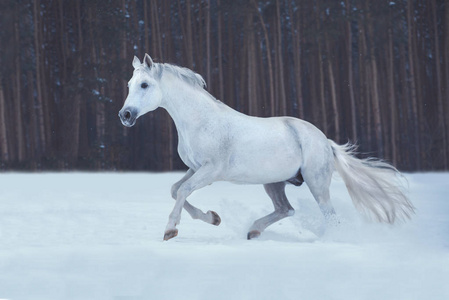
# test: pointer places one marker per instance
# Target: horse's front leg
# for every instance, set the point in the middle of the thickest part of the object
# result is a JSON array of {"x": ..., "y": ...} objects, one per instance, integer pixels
[
  {"x": 176, "y": 185},
  {"x": 210, "y": 217},
  {"x": 205, "y": 175}
]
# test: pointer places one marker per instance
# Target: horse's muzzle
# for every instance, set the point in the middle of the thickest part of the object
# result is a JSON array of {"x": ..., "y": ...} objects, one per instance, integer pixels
[{"x": 128, "y": 116}]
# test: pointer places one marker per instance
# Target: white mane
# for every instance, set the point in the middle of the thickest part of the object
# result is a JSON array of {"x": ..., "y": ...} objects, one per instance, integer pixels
[{"x": 184, "y": 74}]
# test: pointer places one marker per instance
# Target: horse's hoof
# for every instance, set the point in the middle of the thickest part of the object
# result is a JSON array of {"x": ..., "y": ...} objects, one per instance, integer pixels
[
  {"x": 216, "y": 220},
  {"x": 170, "y": 234},
  {"x": 253, "y": 234}
]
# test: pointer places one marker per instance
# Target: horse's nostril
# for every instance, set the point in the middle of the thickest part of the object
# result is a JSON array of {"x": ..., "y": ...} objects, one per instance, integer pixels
[{"x": 127, "y": 115}]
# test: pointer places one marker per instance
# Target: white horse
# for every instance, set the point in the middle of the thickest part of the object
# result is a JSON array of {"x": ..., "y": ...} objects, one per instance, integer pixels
[{"x": 219, "y": 143}]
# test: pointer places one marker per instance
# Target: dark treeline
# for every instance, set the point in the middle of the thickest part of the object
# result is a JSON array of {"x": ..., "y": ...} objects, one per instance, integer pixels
[{"x": 375, "y": 72}]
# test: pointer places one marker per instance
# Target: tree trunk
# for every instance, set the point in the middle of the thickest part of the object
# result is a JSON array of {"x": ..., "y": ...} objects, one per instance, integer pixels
[
  {"x": 230, "y": 78},
  {"x": 188, "y": 38},
  {"x": 197, "y": 38},
  {"x": 333, "y": 92},
  {"x": 71, "y": 107},
  {"x": 375, "y": 86},
  {"x": 441, "y": 119},
  {"x": 365, "y": 84},
  {"x": 99, "y": 105},
  {"x": 208, "y": 55},
  {"x": 32, "y": 137},
  {"x": 156, "y": 32},
  {"x": 270, "y": 66},
  {"x": 350, "y": 72},
  {"x": 4, "y": 153},
  {"x": 322, "y": 94},
  {"x": 40, "y": 101},
  {"x": 124, "y": 54},
  {"x": 419, "y": 72},
  {"x": 283, "y": 98},
  {"x": 220, "y": 55},
  {"x": 169, "y": 45},
  {"x": 314, "y": 97},
  {"x": 296, "y": 36},
  {"x": 446, "y": 67},
  {"x": 61, "y": 40},
  {"x": 242, "y": 91},
  {"x": 18, "y": 102},
  {"x": 145, "y": 27},
  {"x": 391, "y": 93},
  {"x": 414, "y": 103},
  {"x": 50, "y": 132},
  {"x": 261, "y": 75},
  {"x": 404, "y": 102},
  {"x": 137, "y": 40},
  {"x": 251, "y": 71}
]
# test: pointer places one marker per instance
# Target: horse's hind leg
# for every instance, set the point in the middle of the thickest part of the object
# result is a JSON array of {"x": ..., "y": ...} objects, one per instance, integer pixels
[
  {"x": 318, "y": 180},
  {"x": 210, "y": 217},
  {"x": 282, "y": 209}
]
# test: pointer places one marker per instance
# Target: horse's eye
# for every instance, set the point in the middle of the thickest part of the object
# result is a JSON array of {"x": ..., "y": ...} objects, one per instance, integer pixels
[{"x": 144, "y": 85}]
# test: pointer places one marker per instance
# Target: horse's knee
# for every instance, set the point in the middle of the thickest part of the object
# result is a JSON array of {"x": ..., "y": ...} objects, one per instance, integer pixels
[
  {"x": 183, "y": 191},
  {"x": 174, "y": 191}
]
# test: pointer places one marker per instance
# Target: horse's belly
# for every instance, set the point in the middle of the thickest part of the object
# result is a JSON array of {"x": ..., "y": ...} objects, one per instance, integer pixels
[
  {"x": 262, "y": 175},
  {"x": 264, "y": 166},
  {"x": 268, "y": 152}
]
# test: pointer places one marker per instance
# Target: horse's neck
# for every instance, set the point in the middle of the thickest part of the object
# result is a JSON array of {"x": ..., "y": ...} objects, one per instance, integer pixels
[{"x": 187, "y": 105}]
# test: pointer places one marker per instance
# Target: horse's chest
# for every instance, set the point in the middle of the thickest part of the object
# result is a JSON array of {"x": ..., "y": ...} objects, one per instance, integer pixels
[{"x": 188, "y": 153}]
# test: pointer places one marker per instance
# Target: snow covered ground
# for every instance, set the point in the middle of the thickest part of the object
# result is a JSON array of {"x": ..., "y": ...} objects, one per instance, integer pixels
[{"x": 99, "y": 236}]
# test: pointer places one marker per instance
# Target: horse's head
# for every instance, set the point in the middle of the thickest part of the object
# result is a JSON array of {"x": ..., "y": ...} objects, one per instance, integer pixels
[{"x": 144, "y": 92}]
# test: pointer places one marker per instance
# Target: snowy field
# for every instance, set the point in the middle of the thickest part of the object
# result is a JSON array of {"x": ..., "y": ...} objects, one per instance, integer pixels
[{"x": 99, "y": 236}]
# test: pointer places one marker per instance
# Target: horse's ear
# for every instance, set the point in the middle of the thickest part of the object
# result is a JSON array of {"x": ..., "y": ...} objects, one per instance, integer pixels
[
  {"x": 136, "y": 62},
  {"x": 147, "y": 61}
]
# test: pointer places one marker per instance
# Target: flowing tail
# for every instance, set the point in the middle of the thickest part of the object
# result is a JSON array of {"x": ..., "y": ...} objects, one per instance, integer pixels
[{"x": 373, "y": 185}]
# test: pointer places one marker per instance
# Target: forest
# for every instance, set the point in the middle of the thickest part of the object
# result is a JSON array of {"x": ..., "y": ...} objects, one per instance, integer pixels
[{"x": 375, "y": 73}]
